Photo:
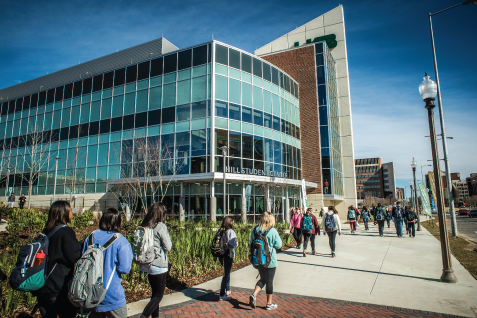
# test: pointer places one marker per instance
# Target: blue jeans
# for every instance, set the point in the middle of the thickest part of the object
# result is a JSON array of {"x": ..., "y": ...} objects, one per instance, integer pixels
[
  {"x": 366, "y": 220},
  {"x": 398, "y": 224},
  {"x": 227, "y": 262}
]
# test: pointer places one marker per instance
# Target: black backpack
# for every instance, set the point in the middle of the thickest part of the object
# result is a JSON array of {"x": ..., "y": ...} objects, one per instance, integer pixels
[
  {"x": 410, "y": 216},
  {"x": 218, "y": 246}
]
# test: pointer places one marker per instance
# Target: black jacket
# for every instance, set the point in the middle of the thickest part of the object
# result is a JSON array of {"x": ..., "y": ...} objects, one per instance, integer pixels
[{"x": 64, "y": 250}]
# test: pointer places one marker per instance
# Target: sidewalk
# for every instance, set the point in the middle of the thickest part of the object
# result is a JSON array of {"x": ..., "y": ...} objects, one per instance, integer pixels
[{"x": 385, "y": 271}]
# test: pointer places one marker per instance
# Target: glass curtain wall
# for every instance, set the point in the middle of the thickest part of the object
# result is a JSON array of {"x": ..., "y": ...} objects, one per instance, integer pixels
[
  {"x": 332, "y": 174},
  {"x": 92, "y": 124}
]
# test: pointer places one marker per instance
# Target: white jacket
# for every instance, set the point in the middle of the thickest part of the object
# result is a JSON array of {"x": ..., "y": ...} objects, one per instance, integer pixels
[{"x": 337, "y": 221}]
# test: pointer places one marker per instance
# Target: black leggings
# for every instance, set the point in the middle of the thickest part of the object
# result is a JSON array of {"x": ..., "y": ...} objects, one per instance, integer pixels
[
  {"x": 266, "y": 278},
  {"x": 297, "y": 236},
  {"x": 158, "y": 285},
  {"x": 57, "y": 306},
  {"x": 309, "y": 237}
]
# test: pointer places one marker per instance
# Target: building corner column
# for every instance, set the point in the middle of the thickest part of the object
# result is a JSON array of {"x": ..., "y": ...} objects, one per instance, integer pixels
[{"x": 182, "y": 204}]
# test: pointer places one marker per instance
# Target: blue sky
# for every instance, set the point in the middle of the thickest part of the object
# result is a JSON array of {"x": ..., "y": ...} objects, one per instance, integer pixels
[{"x": 388, "y": 52}]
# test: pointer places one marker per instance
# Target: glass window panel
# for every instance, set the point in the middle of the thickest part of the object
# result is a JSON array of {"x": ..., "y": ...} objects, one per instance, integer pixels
[
  {"x": 221, "y": 54},
  {"x": 155, "y": 81},
  {"x": 168, "y": 115},
  {"x": 92, "y": 155},
  {"x": 169, "y": 78},
  {"x": 84, "y": 113},
  {"x": 95, "y": 110},
  {"x": 182, "y": 75},
  {"x": 183, "y": 92},
  {"x": 267, "y": 120},
  {"x": 199, "y": 55},
  {"x": 156, "y": 67},
  {"x": 221, "y": 109},
  {"x": 56, "y": 122},
  {"x": 106, "y": 108},
  {"x": 221, "y": 87},
  {"x": 267, "y": 101},
  {"x": 65, "y": 118},
  {"x": 247, "y": 115},
  {"x": 129, "y": 101},
  {"x": 183, "y": 112},
  {"x": 247, "y": 94},
  {"x": 257, "y": 67},
  {"x": 268, "y": 149},
  {"x": 155, "y": 98},
  {"x": 234, "y": 73},
  {"x": 184, "y": 59},
  {"x": 266, "y": 72},
  {"x": 220, "y": 69},
  {"x": 220, "y": 140},
  {"x": 48, "y": 119},
  {"x": 169, "y": 95},
  {"x": 198, "y": 142},
  {"x": 90, "y": 174},
  {"x": 234, "y": 58},
  {"x": 119, "y": 77},
  {"x": 276, "y": 123},
  {"x": 167, "y": 145},
  {"x": 258, "y": 147},
  {"x": 246, "y": 63},
  {"x": 276, "y": 105},
  {"x": 199, "y": 88},
  {"x": 257, "y": 97},
  {"x": 199, "y": 71},
  {"x": 170, "y": 63},
  {"x": 141, "y": 101},
  {"x": 234, "y": 111},
  {"x": 257, "y": 117},
  {"x": 277, "y": 152},
  {"x": 247, "y": 144},
  {"x": 235, "y": 144},
  {"x": 199, "y": 109},
  {"x": 143, "y": 71},
  {"x": 117, "y": 106},
  {"x": 234, "y": 95}
]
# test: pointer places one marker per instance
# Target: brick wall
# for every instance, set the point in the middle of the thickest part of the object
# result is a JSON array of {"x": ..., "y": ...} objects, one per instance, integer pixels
[{"x": 300, "y": 64}]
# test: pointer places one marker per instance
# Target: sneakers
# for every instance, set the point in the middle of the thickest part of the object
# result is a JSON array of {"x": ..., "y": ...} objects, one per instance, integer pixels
[
  {"x": 271, "y": 306},
  {"x": 304, "y": 253},
  {"x": 224, "y": 298},
  {"x": 333, "y": 254},
  {"x": 313, "y": 252},
  {"x": 252, "y": 301},
  {"x": 228, "y": 292}
]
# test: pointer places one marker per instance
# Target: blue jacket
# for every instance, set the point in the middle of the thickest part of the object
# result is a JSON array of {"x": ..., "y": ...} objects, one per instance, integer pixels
[{"x": 119, "y": 254}]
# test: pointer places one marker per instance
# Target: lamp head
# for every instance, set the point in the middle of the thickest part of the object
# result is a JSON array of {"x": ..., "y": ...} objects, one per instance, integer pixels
[
  {"x": 413, "y": 163},
  {"x": 428, "y": 89}
]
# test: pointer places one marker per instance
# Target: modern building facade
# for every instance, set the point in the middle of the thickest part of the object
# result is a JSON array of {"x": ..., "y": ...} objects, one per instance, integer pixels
[
  {"x": 315, "y": 55},
  {"x": 472, "y": 184},
  {"x": 183, "y": 104},
  {"x": 461, "y": 185},
  {"x": 388, "y": 180},
  {"x": 369, "y": 178}
]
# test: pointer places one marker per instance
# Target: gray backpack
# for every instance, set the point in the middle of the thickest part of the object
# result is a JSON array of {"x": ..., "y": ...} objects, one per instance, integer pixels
[{"x": 86, "y": 289}]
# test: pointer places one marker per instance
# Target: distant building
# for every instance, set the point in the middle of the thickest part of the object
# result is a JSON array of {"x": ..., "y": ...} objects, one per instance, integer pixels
[
  {"x": 399, "y": 193},
  {"x": 388, "y": 180},
  {"x": 369, "y": 178},
  {"x": 461, "y": 185},
  {"x": 472, "y": 184}
]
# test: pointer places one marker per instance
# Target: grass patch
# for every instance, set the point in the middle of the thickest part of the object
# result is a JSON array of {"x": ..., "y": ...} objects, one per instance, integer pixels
[{"x": 463, "y": 250}]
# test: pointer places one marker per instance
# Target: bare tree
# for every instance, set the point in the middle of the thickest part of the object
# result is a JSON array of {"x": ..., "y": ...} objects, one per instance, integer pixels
[
  {"x": 148, "y": 168},
  {"x": 36, "y": 146}
]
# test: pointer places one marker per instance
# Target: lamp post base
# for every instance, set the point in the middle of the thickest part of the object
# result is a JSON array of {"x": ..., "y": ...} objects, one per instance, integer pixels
[{"x": 448, "y": 276}]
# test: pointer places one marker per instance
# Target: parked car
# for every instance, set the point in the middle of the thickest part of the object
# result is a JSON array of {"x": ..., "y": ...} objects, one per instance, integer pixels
[
  {"x": 463, "y": 212},
  {"x": 472, "y": 213}
]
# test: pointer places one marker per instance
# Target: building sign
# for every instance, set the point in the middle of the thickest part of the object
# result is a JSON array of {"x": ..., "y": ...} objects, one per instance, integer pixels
[
  {"x": 330, "y": 40},
  {"x": 256, "y": 172},
  {"x": 426, "y": 203}
]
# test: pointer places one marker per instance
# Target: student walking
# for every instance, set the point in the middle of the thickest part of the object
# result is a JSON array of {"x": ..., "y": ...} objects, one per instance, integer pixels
[
  {"x": 227, "y": 260},
  {"x": 331, "y": 224},
  {"x": 406, "y": 209},
  {"x": 11, "y": 200},
  {"x": 398, "y": 214},
  {"x": 64, "y": 251},
  {"x": 309, "y": 227},
  {"x": 117, "y": 261},
  {"x": 365, "y": 217},
  {"x": 21, "y": 201},
  {"x": 295, "y": 227},
  {"x": 266, "y": 225},
  {"x": 157, "y": 270},
  {"x": 388, "y": 217},
  {"x": 381, "y": 215},
  {"x": 411, "y": 217},
  {"x": 352, "y": 218},
  {"x": 373, "y": 211}
]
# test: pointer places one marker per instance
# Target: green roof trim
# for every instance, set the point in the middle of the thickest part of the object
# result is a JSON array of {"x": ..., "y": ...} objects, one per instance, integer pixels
[{"x": 330, "y": 40}]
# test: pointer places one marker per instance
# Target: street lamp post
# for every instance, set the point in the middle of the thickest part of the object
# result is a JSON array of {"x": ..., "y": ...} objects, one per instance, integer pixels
[
  {"x": 412, "y": 199},
  {"x": 56, "y": 172},
  {"x": 224, "y": 153},
  {"x": 428, "y": 91},
  {"x": 441, "y": 118},
  {"x": 414, "y": 166}
]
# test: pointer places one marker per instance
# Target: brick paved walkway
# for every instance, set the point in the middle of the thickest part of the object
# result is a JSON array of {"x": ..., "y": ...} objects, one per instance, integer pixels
[{"x": 288, "y": 306}]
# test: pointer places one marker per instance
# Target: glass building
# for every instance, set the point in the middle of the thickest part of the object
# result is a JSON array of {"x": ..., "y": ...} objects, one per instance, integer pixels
[{"x": 169, "y": 114}]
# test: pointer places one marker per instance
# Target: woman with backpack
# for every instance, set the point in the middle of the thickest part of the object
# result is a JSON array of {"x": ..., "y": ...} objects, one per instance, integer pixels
[
  {"x": 266, "y": 228},
  {"x": 365, "y": 217},
  {"x": 352, "y": 218},
  {"x": 295, "y": 227},
  {"x": 229, "y": 241},
  {"x": 64, "y": 250},
  {"x": 309, "y": 227},
  {"x": 117, "y": 259},
  {"x": 157, "y": 270},
  {"x": 331, "y": 225},
  {"x": 411, "y": 218}
]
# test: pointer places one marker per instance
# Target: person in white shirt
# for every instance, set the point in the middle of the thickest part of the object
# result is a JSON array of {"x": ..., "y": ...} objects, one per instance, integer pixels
[{"x": 332, "y": 226}]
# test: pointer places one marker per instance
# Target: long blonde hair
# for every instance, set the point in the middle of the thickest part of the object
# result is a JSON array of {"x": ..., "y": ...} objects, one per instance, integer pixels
[{"x": 267, "y": 221}]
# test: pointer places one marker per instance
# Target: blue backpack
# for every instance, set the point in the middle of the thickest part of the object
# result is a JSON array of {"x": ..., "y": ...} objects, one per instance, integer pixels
[
  {"x": 329, "y": 223},
  {"x": 260, "y": 255},
  {"x": 26, "y": 276},
  {"x": 399, "y": 212}
]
